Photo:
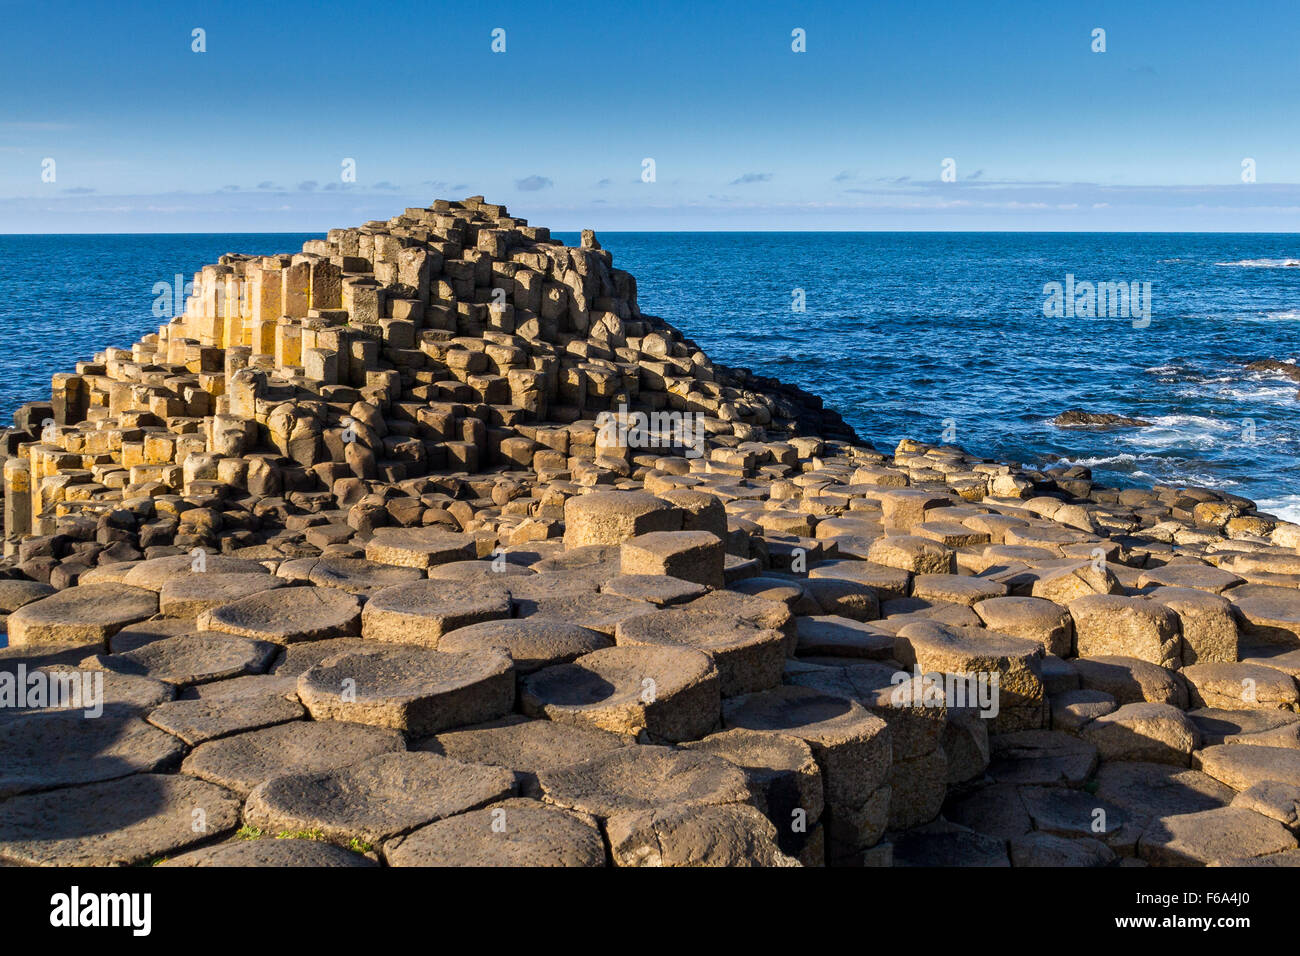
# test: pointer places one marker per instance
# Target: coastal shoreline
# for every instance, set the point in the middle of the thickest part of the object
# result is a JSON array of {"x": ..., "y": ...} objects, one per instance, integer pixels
[{"x": 431, "y": 515}]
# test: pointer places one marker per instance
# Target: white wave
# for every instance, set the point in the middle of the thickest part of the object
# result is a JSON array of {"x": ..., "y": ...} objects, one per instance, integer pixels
[
  {"x": 1288, "y": 314},
  {"x": 1101, "y": 461},
  {"x": 1263, "y": 263},
  {"x": 1287, "y": 507}
]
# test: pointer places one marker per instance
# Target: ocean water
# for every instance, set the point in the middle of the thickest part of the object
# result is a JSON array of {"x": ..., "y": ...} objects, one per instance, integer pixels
[{"x": 934, "y": 336}]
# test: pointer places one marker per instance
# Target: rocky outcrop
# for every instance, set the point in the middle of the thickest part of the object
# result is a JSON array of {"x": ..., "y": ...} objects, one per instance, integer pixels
[{"x": 426, "y": 546}]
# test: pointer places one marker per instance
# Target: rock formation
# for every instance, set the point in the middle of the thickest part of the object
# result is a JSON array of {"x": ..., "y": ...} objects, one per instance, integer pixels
[{"x": 425, "y": 546}]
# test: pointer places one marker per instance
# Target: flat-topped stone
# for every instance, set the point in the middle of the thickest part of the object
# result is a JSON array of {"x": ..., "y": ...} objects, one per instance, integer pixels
[
  {"x": 1130, "y": 680},
  {"x": 1236, "y": 686},
  {"x": 412, "y": 689},
  {"x": 1268, "y": 614},
  {"x": 419, "y": 547},
  {"x": 1218, "y": 725},
  {"x": 1042, "y": 757},
  {"x": 612, "y": 517},
  {"x": 1114, "y": 624},
  {"x": 831, "y": 636},
  {"x": 531, "y": 643},
  {"x": 189, "y": 595},
  {"x": 1202, "y": 577},
  {"x": 514, "y": 832},
  {"x": 852, "y": 746},
  {"x": 423, "y": 611},
  {"x": 728, "y": 835},
  {"x": 636, "y": 778},
  {"x": 667, "y": 693},
  {"x": 195, "y": 658},
  {"x": 695, "y": 556},
  {"x": 378, "y": 798},
  {"x": 354, "y": 575},
  {"x": 87, "y": 615},
  {"x": 1030, "y": 618},
  {"x": 243, "y": 761},
  {"x": 115, "y": 823},
  {"x": 748, "y": 658},
  {"x": 14, "y": 593},
  {"x": 1197, "y": 839},
  {"x": 288, "y": 615},
  {"x": 1153, "y": 733},
  {"x": 154, "y": 573},
  {"x": 270, "y": 851},
  {"x": 1150, "y": 790},
  {"x": 523, "y": 745},
  {"x": 1242, "y": 767},
  {"x": 62, "y": 748},
  {"x": 660, "y": 590},
  {"x": 197, "y": 721}
]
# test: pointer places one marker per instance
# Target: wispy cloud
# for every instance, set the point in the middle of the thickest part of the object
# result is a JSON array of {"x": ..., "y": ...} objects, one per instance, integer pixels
[
  {"x": 750, "y": 178},
  {"x": 531, "y": 184}
]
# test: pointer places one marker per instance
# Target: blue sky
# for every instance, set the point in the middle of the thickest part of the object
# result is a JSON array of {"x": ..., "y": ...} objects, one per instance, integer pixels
[{"x": 251, "y": 135}]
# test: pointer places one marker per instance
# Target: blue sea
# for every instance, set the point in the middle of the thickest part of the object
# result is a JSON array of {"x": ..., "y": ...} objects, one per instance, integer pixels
[{"x": 935, "y": 336}]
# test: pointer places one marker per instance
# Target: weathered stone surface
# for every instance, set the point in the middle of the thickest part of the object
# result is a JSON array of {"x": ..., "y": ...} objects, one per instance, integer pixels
[
  {"x": 831, "y": 636},
  {"x": 945, "y": 844},
  {"x": 1207, "y": 623},
  {"x": 612, "y": 517},
  {"x": 1238, "y": 726},
  {"x": 523, "y": 746},
  {"x": 748, "y": 658},
  {"x": 515, "y": 832},
  {"x": 195, "y": 658},
  {"x": 378, "y": 798},
  {"x": 1072, "y": 710},
  {"x": 1042, "y": 757},
  {"x": 1131, "y": 681},
  {"x": 419, "y": 547},
  {"x": 1202, "y": 577},
  {"x": 243, "y": 761},
  {"x": 1268, "y": 614},
  {"x": 84, "y": 616},
  {"x": 154, "y": 573},
  {"x": 695, "y": 556},
  {"x": 116, "y": 823},
  {"x": 531, "y": 643},
  {"x": 1197, "y": 839},
  {"x": 422, "y": 612},
  {"x": 1155, "y": 733},
  {"x": 89, "y": 749},
  {"x": 632, "y": 779},
  {"x": 271, "y": 852},
  {"x": 287, "y": 615},
  {"x": 189, "y": 595},
  {"x": 354, "y": 575},
  {"x": 411, "y": 689},
  {"x": 1032, "y": 619},
  {"x": 783, "y": 777},
  {"x": 1243, "y": 767},
  {"x": 666, "y": 693},
  {"x": 1016, "y": 662},
  {"x": 852, "y": 746},
  {"x": 1045, "y": 849},
  {"x": 1148, "y": 790},
  {"x": 731, "y": 835},
  {"x": 196, "y": 721},
  {"x": 1112, "y": 624},
  {"x": 1240, "y": 687}
]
